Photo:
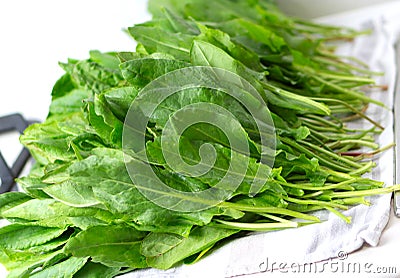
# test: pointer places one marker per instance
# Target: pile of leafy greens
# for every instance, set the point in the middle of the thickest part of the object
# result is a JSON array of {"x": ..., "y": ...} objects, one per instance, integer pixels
[{"x": 81, "y": 215}]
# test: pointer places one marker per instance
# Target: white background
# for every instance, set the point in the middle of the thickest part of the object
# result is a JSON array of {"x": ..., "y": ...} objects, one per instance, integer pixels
[{"x": 36, "y": 35}]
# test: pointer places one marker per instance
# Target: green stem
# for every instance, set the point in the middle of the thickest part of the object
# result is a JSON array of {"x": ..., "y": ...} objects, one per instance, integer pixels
[
  {"x": 274, "y": 217},
  {"x": 368, "y": 192},
  {"x": 318, "y": 128},
  {"x": 353, "y": 141},
  {"x": 257, "y": 226},
  {"x": 357, "y": 79},
  {"x": 338, "y": 57},
  {"x": 308, "y": 102},
  {"x": 273, "y": 210},
  {"x": 366, "y": 168},
  {"x": 344, "y": 66},
  {"x": 313, "y": 194},
  {"x": 338, "y": 125},
  {"x": 344, "y": 185},
  {"x": 364, "y": 135},
  {"x": 338, "y": 213},
  {"x": 304, "y": 150},
  {"x": 362, "y": 115},
  {"x": 375, "y": 152},
  {"x": 315, "y": 202},
  {"x": 320, "y": 135},
  {"x": 355, "y": 201},
  {"x": 345, "y": 91},
  {"x": 333, "y": 155}
]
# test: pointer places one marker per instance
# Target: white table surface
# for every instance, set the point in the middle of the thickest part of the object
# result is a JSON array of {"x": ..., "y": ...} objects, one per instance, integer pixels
[{"x": 36, "y": 35}]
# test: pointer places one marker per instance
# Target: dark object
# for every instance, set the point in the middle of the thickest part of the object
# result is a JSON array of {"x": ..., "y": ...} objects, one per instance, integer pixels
[
  {"x": 13, "y": 122},
  {"x": 396, "y": 126}
]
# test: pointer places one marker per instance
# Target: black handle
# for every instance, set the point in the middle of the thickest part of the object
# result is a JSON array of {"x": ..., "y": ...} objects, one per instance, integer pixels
[{"x": 13, "y": 122}]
